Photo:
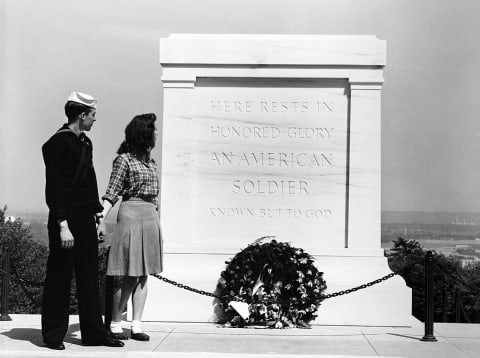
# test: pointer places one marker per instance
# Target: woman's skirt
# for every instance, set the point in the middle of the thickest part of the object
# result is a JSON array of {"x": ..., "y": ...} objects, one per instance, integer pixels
[{"x": 136, "y": 248}]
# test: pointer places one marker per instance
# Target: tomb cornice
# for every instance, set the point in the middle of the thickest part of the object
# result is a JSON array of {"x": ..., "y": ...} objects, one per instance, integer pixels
[{"x": 264, "y": 50}]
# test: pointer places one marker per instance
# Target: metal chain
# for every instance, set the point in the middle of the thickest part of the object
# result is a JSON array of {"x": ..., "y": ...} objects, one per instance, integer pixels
[
  {"x": 21, "y": 280},
  {"x": 185, "y": 287},
  {"x": 369, "y": 284},
  {"x": 335, "y": 294},
  {"x": 205, "y": 293}
]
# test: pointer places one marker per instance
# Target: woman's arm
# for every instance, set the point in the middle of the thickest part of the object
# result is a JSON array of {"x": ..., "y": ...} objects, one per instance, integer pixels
[
  {"x": 114, "y": 190},
  {"x": 102, "y": 228}
]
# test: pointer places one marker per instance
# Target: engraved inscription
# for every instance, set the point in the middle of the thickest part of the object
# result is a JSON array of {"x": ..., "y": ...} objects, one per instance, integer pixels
[
  {"x": 288, "y": 149},
  {"x": 271, "y": 213},
  {"x": 270, "y": 132},
  {"x": 273, "y": 159},
  {"x": 285, "y": 187},
  {"x": 264, "y": 106}
]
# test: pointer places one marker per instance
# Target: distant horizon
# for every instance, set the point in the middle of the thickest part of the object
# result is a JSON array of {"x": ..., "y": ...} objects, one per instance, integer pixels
[
  {"x": 383, "y": 211},
  {"x": 388, "y": 216},
  {"x": 430, "y": 130}
]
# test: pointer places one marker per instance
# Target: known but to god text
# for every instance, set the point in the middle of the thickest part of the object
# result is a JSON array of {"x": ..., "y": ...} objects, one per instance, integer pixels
[{"x": 272, "y": 213}]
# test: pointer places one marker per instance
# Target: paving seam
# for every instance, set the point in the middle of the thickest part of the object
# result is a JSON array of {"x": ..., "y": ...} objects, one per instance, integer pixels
[
  {"x": 370, "y": 343},
  {"x": 163, "y": 340},
  {"x": 455, "y": 346},
  {"x": 273, "y": 335}
]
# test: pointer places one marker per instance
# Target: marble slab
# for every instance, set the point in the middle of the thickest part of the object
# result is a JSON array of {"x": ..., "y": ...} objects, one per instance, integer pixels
[{"x": 270, "y": 160}]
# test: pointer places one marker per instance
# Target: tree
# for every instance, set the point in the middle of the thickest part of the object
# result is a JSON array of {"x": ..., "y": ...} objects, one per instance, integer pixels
[
  {"x": 27, "y": 262},
  {"x": 407, "y": 258}
]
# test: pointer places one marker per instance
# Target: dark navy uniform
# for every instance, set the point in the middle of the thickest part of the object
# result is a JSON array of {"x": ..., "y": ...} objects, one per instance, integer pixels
[{"x": 77, "y": 204}]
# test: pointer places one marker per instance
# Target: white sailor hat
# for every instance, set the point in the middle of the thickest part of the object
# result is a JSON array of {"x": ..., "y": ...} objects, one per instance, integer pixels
[{"x": 83, "y": 98}]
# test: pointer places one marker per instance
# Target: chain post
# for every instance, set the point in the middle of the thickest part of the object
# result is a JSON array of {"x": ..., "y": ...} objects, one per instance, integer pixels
[
  {"x": 429, "y": 337},
  {"x": 5, "y": 287},
  {"x": 109, "y": 283},
  {"x": 457, "y": 306},
  {"x": 444, "y": 305}
]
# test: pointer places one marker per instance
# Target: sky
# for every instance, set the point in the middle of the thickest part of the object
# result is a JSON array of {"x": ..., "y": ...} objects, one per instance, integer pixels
[{"x": 110, "y": 49}]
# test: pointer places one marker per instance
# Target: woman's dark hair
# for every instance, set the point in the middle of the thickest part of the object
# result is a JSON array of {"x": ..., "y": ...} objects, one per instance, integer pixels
[
  {"x": 73, "y": 109},
  {"x": 139, "y": 136}
]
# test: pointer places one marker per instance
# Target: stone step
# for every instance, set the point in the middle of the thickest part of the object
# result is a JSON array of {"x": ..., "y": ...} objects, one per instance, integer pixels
[{"x": 93, "y": 354}]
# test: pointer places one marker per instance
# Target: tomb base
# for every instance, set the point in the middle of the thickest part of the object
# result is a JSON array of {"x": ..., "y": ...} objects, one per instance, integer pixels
[
  {"x": 274, "y": 135},
  {"x": 372, "y": 306}
]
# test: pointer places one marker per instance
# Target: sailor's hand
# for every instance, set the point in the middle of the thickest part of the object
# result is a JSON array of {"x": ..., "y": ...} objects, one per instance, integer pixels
[
  {"x": 66, "y": 236},
  {"x": 101, "y": 230}
]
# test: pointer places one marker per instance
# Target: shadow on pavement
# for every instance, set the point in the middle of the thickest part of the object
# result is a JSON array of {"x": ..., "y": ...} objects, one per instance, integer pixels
[
  {"x": 34, "y": 335},
  {"x": 404, "y": 336}
]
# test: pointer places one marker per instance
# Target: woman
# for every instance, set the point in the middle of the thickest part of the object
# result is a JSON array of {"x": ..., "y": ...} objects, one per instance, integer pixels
[{"x": 136, "y": 248}]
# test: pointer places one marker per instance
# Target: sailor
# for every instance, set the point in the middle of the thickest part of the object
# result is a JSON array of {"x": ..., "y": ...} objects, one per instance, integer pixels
[{"x": 72, "y": 198}]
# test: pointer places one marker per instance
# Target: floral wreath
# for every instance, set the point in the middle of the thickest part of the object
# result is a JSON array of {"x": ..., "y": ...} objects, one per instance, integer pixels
[{"x": 278, "y": 282}]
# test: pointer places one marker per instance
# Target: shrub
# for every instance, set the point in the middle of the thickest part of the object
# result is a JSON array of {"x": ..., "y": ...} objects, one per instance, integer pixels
[
  {"x": 28, "y": 261},
  {"x": 407, "y": 258}
]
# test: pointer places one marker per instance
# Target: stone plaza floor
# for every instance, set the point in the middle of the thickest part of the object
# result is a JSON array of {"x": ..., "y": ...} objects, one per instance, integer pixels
[{"x": 21, "y": 337}]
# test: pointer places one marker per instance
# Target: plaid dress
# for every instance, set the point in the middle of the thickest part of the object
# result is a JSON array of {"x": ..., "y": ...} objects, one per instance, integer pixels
[{"x": 136, "y": 247}]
